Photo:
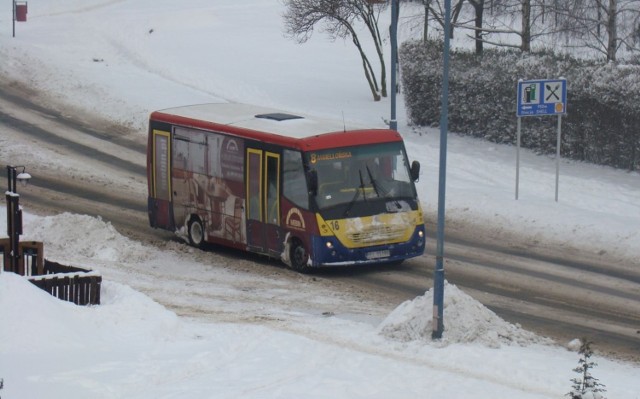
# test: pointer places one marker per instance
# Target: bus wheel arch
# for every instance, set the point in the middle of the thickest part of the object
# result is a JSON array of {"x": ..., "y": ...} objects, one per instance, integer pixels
[
  {"x": 298, "y": 255},
  {"x": 195, "y": 231}
]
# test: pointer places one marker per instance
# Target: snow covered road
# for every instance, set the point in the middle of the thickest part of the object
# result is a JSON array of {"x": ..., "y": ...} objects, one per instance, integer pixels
[{"x": 554, "y": 291}]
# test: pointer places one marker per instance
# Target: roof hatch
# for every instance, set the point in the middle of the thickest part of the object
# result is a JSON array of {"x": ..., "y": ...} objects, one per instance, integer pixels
[{"x": 278, "y": 116}]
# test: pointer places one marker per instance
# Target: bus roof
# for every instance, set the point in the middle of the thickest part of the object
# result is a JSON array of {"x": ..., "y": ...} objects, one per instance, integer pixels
[{"x": 261, "y": 123}]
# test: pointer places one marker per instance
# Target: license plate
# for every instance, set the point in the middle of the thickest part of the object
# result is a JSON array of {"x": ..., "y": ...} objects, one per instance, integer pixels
[{"x": 378, "y": 254}]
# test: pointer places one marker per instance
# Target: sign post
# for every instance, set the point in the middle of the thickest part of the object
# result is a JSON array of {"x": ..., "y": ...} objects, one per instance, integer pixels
[
  {"x": 438, "y": 273},
  {"x": 541, "y": 98}
]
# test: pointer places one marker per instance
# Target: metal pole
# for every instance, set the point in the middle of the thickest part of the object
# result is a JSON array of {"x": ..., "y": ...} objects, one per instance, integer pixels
[
  {"x": 11, "y": 178},
  {"x": 518, "y": 157},
  {"x": 14, "y": 17},
  {"x": 438, "y": 274},
  {"x": 9, "y": 185},
  {"x": 12, "y": 203},
  {"x": 558, "y": 155},
  {"x": 13, "y": 214},
  {"x": 395, "y": 10},
  {"x": 9, "y": 228},
  {"x": 14, "y": 220}
]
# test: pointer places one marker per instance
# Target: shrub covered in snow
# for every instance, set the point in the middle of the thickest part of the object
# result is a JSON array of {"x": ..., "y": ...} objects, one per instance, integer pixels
[
  {"x": 602, "y": 124},
  {"x": 586, "y": 386}
]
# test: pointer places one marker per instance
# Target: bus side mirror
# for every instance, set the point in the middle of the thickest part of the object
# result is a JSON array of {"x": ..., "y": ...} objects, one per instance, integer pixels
[
  {"x": 312, "y": 178},
  {"x": 415, "y": 170}
]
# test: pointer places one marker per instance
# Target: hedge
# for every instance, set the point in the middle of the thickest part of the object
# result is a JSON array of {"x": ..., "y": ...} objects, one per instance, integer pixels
[{"x": 602, "y": 124}]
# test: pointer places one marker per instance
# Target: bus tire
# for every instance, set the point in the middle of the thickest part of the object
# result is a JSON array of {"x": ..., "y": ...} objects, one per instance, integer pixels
[
  {"x": 298, "y": 256},
  {"x": 196, "y": 232}
]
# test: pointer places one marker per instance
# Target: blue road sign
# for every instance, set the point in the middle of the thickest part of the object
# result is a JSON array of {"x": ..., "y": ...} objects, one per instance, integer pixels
[{"x": 542, "y": 97}]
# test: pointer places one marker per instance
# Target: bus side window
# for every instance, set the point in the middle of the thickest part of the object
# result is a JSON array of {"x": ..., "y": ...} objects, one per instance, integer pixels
[
  {"x": 180, "y": 148},
  {"x": 293, "y": 179},
  {"x": 271, "y": 206}
]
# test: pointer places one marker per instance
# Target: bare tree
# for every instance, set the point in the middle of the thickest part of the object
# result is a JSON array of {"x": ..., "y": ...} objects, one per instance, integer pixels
[
  {"x": 338, "y": 18},
  {"x": 425, "y": 30},
  {"x": 481, "y": 30},
  {"x": 369, "y": 12},
  {"x": 478, "y": 6},
  {"x": 434, "y": 10},
  {"x": 504, "y": 18},
  {"x": 601, "y": 25},
  {"x": 422, "y": 19}
]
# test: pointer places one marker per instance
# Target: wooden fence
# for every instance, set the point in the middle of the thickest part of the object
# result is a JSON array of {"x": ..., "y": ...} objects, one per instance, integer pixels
[
  {"x": 31, "y": 261},
  {"x": 69, "y": 283},
  {"x": 72, "y": 284}
]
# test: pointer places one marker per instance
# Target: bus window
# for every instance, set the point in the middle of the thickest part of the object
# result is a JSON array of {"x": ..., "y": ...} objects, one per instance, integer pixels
[
  {"x": 401, "y": 173},
  {"x": 293, "y": 179},
  {"x": 180, "y": 153},
  {"x": 272, "y": 189},
  {"x": 351, "y": 175},
  {"x": 189, "y": 150},
  {"x": 214, "y": 146},
  {"x": 254, "y": 183}
]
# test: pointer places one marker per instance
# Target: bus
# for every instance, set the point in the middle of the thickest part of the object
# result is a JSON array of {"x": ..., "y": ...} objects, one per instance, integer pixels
[{"x": 304, "y": 190}]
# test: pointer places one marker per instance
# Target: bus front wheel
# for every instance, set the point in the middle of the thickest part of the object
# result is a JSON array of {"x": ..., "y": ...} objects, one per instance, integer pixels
[
  {"x": 196, "y": 232},
  {"x": 299, "y": 256}
]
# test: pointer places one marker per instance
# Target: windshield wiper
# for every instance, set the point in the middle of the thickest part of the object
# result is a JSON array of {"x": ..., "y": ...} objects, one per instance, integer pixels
[
  {"x": 374, "y": 183},
  {"x": 377, "y": 188},
  {"x": 355, "y": 197}
]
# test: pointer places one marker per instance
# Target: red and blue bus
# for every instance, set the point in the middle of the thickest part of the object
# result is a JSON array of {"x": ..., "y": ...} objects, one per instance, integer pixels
[{"x": 301, "y": 189}]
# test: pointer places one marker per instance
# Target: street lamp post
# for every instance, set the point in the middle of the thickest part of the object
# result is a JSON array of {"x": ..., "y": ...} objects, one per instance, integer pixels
[
  {"x": 14, "y": 215},
  {"x": 438, "y": 273},
  {"x": 395, "y": 11}
]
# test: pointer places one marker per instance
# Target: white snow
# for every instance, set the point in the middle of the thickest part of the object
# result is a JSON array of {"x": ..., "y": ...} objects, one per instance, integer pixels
[
  {"x": 271, "y": 338},
  {"x": 467, "y": 322}
]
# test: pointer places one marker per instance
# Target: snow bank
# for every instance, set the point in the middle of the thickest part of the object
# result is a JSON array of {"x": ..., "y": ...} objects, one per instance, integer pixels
[
  {"x": 97, "y": 239},
  {"x": 41, "y": 324},
  {"x": 467, "y": 321}
]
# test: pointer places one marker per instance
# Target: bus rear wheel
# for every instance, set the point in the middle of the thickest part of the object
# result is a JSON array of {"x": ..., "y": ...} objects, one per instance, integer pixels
[
  {"x": 196, "y": 232},
  {"x": 299, "y": 256}
]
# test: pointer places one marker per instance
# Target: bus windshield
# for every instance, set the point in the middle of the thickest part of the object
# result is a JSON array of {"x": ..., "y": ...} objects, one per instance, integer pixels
[{"x": 352, "y": 175}]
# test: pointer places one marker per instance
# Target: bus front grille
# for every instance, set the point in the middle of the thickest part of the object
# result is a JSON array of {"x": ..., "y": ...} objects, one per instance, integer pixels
[{"x": 381, "y": 234}]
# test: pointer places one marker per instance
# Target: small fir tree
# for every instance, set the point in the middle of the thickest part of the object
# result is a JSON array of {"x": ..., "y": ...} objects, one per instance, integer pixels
[{"x": 586, "y": 386}]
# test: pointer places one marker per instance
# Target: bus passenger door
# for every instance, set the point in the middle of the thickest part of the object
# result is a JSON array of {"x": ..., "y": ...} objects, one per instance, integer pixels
[
  {"x": 160, "y": 208},
  {"x": 263, "y": 198}
]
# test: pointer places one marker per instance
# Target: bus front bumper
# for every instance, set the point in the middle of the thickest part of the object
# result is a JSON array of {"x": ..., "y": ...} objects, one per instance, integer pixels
[{"x": 328, "y": 251}]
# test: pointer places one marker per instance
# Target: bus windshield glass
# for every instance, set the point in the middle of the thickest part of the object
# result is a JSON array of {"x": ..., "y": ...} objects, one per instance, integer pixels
[{"x": 351, "y": 175}]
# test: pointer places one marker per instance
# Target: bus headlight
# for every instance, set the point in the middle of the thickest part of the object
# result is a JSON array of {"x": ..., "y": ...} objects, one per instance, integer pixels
[
  {"x": 329, "y": 245},
  {"x": 420, "y": 238}
]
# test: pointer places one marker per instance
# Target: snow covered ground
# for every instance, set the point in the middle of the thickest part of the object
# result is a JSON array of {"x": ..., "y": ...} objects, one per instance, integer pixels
[
  {"x": 131, "y": 347},
  {"x": 123, "y": 59}
]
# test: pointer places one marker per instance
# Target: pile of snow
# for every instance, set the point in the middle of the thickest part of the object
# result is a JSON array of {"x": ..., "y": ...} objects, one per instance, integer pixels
[
  {"x": 99, "y": 240},
  {"x": 41, "y": 323},
  {"x": 467, "y": 321}
]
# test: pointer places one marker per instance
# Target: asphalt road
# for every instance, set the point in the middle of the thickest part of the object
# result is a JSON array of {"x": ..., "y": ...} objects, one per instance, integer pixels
[{"x": 559, "y": 292}]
